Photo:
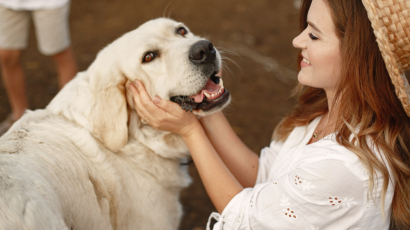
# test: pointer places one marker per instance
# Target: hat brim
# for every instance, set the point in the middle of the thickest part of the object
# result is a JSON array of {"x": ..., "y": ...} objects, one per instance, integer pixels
[{"x": 392, "y": 33}]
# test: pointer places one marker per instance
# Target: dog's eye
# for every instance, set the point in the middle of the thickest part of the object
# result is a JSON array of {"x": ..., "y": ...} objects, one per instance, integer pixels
[
  {"x": 149, "y": 57},
  {"x": 182, "y": 31}
]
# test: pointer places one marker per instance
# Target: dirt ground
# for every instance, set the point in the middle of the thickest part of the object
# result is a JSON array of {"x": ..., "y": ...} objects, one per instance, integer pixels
[{"x": 254, "y": 35}]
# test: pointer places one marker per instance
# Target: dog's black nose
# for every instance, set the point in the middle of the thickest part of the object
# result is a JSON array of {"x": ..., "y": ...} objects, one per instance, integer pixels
[{"x": 202, "y": 52}]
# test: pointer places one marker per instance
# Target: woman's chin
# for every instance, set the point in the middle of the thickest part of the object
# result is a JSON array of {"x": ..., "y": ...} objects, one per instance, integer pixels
[{"x": 303, "y": 79}]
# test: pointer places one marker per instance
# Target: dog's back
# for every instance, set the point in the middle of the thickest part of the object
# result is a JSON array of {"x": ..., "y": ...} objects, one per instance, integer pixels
[
  {"x": 27, "y": 199},
  {"x": 44, "y": 180}
]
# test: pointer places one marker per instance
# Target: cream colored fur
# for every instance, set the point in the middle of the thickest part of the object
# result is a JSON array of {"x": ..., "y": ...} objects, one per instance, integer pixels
[{"x": 86, "y": 162}]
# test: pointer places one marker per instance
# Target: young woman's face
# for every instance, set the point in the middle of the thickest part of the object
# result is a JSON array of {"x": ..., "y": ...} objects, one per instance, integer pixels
[{"x": 321, "y": 64}]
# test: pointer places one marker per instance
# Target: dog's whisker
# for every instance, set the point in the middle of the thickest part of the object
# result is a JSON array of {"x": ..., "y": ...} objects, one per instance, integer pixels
[
  {"x": 206, "y": 36},
  {"x": 226, "y": 67},
  {"x": 229, "y": 69},
  {"x": 236, "y": 64},
  {"x": 170, "y": 12},
  {"x": 165, "y": 11},
  {"x": 227, "y": 51},
  {"x": 223, "y": 52}
]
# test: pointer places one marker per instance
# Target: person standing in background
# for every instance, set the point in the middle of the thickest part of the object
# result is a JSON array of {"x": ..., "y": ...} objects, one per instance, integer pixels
[{"x": 50, "y": 18}]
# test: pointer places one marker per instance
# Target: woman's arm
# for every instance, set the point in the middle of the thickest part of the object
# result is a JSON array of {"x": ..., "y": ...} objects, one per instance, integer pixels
[
  {"x": 219, "y": 182},
  {"x": 240, "y": 160}
]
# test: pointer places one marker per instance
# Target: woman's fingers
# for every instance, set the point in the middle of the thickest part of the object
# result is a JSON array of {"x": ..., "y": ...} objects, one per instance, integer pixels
[
  {"x": 158, "y": 107},
  {"x": 161, "y": 114},
  {"x": 169, "y": 106},
  {"x": 143, "y": 95},
  {"x": 140, "y": 109},
  {"x": 146, "y": 102}
]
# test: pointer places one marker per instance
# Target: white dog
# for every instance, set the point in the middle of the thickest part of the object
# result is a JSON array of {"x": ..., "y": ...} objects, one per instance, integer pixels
[{"x": 87, "y": 161}]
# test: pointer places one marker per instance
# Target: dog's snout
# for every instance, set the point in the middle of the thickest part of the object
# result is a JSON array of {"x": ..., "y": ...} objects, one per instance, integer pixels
[{"x": 202, "y": 52}]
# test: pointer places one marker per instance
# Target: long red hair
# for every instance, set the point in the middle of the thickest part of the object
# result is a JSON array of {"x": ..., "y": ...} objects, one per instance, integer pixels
[{"x": 370, "y": 108}]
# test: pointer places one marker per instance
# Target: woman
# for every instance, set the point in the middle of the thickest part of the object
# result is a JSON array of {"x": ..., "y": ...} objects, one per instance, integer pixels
[{"x": 340, "y": 159}]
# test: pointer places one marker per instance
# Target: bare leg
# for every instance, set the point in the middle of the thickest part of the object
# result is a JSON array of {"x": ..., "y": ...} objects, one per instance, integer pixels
[
  {"x": 66, "y": 66},
  {"x": 14, "y": 82}
]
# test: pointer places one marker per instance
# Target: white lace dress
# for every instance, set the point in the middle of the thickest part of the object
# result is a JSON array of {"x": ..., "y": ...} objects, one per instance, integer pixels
[{"x": 318, "y": 186}]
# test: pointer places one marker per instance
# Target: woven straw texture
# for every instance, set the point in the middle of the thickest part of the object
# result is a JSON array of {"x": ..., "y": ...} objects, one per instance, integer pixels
[{"x": 391, "y": 23}]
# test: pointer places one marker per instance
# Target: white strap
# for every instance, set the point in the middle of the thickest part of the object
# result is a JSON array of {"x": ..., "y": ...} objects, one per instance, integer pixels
[{"x": 215, "y": 216}]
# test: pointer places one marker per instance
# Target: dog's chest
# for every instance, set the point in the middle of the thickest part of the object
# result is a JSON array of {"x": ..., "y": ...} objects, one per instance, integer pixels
[{"x": 147, "y": 191}]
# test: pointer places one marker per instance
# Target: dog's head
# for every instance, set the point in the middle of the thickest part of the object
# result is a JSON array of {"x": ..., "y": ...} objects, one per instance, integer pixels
[{"x": 172, "y": 63}]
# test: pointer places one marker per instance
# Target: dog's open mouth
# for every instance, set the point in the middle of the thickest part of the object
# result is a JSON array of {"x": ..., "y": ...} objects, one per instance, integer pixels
[{"x": 211, "y": 96}]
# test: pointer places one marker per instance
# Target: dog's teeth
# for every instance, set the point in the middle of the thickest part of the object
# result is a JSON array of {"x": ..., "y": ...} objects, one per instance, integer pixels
[
  {"x": 207, "y": 95},
  {"x": 213, "y": 95},
  {"x": 221, "y": 83}
]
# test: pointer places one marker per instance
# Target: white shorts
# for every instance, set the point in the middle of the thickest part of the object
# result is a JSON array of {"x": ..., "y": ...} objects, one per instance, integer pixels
[{"x": 51, "y": 26}]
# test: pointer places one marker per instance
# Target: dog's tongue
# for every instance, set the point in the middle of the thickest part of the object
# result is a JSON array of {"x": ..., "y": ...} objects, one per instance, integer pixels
[{"x": 210, "y": 88}]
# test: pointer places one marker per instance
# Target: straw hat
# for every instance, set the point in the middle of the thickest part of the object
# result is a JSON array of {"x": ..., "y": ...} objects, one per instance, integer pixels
[{"x": 391, "y": 24}]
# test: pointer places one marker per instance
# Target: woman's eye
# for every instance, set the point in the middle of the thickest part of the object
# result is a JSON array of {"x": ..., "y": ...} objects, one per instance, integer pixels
[
  {"x": 182, "y": 31},
  {"x": 312, "y": 36},
  {"x": 149, "y": 57}
]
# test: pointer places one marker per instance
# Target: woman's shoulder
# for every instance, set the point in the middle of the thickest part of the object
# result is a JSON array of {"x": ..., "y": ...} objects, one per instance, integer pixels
[{"x": 328, "y": 151}]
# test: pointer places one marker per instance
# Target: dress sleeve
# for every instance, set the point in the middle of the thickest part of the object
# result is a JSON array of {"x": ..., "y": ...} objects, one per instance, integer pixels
[
  {"x": 267, "y": 157},
  {"x": 317, "y": 194}
]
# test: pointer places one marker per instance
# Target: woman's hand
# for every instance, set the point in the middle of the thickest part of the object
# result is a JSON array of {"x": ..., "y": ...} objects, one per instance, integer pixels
[
  {"x": 163, "y": 114},
  {"x": 219, "y": 182}
]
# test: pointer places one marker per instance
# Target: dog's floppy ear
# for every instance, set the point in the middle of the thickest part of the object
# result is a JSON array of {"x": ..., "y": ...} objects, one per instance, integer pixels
[{"x": 109, "y": 114}]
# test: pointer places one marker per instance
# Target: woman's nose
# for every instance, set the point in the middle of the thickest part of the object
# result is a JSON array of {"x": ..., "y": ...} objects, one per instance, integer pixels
[{"x": 299, "y": 42}]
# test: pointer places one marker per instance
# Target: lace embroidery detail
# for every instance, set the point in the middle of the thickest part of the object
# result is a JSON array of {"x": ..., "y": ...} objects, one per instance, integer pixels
[
  {"x": 303, "y": 184},
  {"x": 330, "y": 152},
  {"x": 345, "y": 203},
  {"x": 288, "y": 211},
  {"x": 284, "y": 201}
]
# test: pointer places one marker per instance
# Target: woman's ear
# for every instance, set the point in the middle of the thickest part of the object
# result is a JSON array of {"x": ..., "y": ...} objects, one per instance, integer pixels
[{"x": 109, "y": 114}]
